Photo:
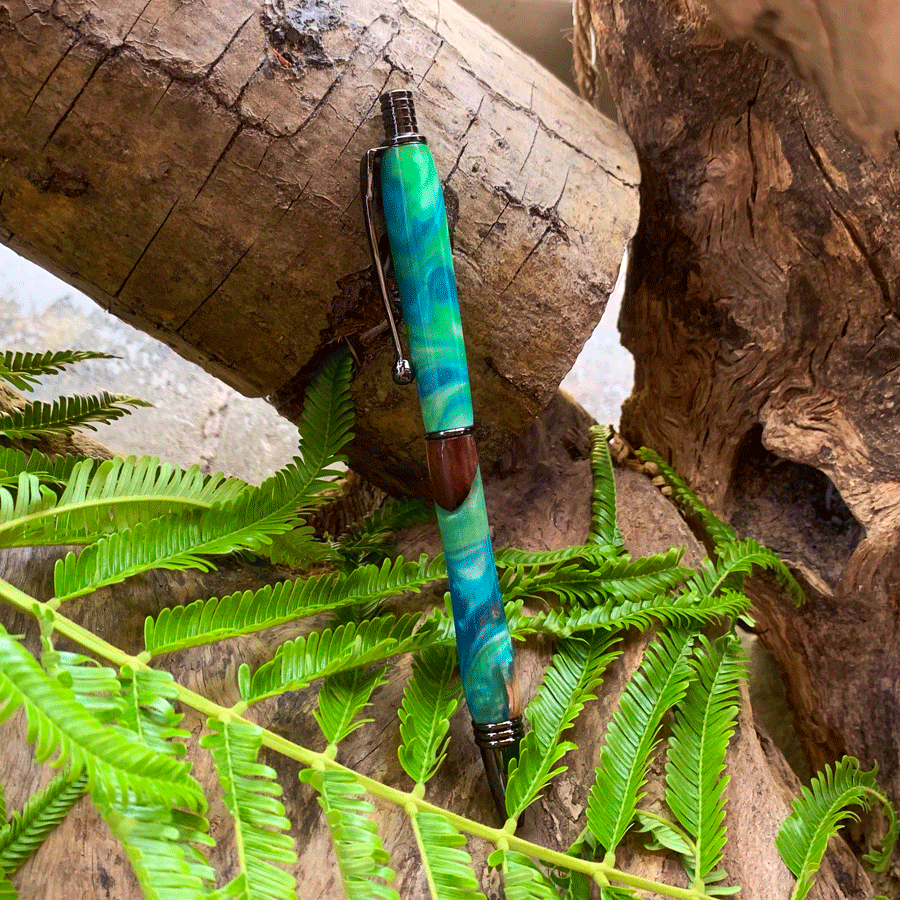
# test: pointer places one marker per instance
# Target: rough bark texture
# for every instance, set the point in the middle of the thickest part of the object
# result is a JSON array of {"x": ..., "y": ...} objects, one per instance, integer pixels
[
  {"x": 197, "y": 174},
  {"x": 762, "y": 312},
  {"x": 846, "y": 48},
  {"x": 542, "y": 501}
]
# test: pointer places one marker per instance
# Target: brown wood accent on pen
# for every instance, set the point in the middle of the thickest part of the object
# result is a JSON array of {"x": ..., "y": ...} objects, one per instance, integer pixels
[{"x": 452, "y": 466}]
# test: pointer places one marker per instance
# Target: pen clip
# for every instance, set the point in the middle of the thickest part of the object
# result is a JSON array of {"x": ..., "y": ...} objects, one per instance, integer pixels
[{"x": 403, "y": 371}]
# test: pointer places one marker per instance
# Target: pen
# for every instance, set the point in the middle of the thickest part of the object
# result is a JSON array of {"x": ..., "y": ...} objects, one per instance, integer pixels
[{"x": 416, "y": 224}]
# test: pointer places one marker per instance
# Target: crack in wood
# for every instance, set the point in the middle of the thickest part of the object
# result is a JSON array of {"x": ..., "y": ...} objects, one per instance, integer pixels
[
  {"x": 143, "y": 252},
  {"x": 103, "y": 58},
  {"x": 234, "y": 136},
  {"x": 216, "y": 289},
  {"x": 44, "y": 83}
]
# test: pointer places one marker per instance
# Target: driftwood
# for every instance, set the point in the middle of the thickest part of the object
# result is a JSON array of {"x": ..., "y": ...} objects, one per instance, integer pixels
[
  {"x": 541, "y": 502},
  {"x": 198, "y": 176},
  {"x": 763, "y": 314}
]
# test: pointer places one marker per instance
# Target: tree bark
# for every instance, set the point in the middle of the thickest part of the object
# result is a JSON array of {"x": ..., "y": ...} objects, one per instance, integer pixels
[
  {"x": 542, "y": 501},
  {"x": 197, "y": 175},
  {"x": 762, "y": 311}
]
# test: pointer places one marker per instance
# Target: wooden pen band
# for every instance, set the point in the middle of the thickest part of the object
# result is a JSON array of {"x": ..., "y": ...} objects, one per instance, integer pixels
[{"x": 452, "y": 467}]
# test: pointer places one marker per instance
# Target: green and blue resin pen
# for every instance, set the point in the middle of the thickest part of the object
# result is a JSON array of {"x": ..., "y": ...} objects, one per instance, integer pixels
[{"x": 416, "y": 224}]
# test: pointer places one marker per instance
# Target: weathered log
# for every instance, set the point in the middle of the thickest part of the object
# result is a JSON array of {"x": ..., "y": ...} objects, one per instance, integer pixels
[
  {"x": 541, "y": 502},
  {"x": 198, "y": 176},
  {"x": 762, "y": 311}
]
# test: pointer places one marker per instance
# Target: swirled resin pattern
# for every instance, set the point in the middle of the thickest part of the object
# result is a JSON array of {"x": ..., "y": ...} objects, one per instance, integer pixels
[
  {"x": 420, "y": 245},
  {"x": 483, "y": 643}
]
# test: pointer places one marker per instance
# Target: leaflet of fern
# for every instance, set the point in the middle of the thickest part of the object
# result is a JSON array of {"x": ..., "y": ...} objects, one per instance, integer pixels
[
  {"x": 430, "y": 698},
  {"x": 48, "y": 471},
  {"x": 298, "y": 662},
  {"x": 522, "y": 879},
  {"x": 575, "y": 670},
  {"x": 96, "y": 687},
  {"x": 159, "y": 842},
  {"x": 658, "y": 684},
  {"x": 7, "y": 891},
  {"x": 817, "y": 814},
  {"x": 41, "y": 813},
  {"x": 704, "y": 724},
  {"x": 683, "y": 610},
  {"x": 148, "y": 712},
  {"x": 342, "y": 698},
  {"x": 116, "y": 764},
  {"x": 244, "y": 612},
  {"x": 23, "y": 370},
  {"x": 251, "y": 796},
  {"x": 604, "y": 530},
  {"x": 361, "y": 858},
  {"x": 100, "y": 499},
  {"x": 448, "y": 867},
  {"x": 65, "y": 415}
]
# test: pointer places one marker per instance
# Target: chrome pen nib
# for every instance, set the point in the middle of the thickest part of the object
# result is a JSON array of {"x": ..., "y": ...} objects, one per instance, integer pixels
[{"x": 499, "y": 744}]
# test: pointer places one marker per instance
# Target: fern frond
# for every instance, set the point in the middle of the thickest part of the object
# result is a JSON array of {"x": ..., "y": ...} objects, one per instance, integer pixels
[
  {"x": 610, "y": 579},
  {"x": 718, "y": 531},
  {"x": 817, "y": 814},
  {"x": 658, "y": 684},
  {"x": 23, "y": 370},
  {"x": 65, "y": 415},
  {"x": 448, "y": 867},
  {"x": 116, "y": 764},
  {"x": 704, "y": 724},
  {"x": 522, "y": 879},
  {"x": 42, "y": 812},
  {"x": 326, "y": 423},
  {"x": 48, "y": 471},
  {"x": 590, "y": 554},
  {"x": 738, "y": 558},
  {"x": 373, "y": 533},
  {"x": 575, "y": 670},
  {"x": 362, "y": 860},
  {"x": 7, "y": 891},
  {"x": 159, "y": 842},
  {"x": 430, "y": 698},
  {"x": 604, "y": 530},
  {"x": 177, "y": 543},
  {"x": 112, "y": 496},
  {"x": 148, "y": 710},
  {"x": 298, "y": 662},
  {"x": 251, "y": 796},
  {"x": 342, "y": 698},
  {"x": 244, "y": 612},
  {"x": 95, "y": 687},
  {"x": 685, "y": 609}
]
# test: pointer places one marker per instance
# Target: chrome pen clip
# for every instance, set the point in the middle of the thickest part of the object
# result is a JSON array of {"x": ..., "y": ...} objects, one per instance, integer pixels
[{"x": 403, "y": 371}]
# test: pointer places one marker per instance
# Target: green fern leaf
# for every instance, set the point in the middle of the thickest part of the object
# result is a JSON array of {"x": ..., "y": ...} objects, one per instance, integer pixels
[
  {"x": 604, "y": 530},
  {"x": 684, "y": 610},
  {"x": 718, "y": 531},
  {"x": 112, "y": 496},
  {"x": 522, "y": 879},
  {"x": 738, "y": 558},
  {"x": 65, "y": 415},
  {"x": 23, "y": 370},
  {"x": 250, "y": 793},
  {"x": 183, "y": 542},
  {"x": 48, "y": 471},
  {"x": 116, "y": 764},
  {"x": 342, "y": 698},
  {"x": 610, "y": 579},
  {"x": 159, "y": 842},
  {"x": 298, "y": 662},
  {"x": 7, "y": 891},
  {"x": 245, "y": 612},
  {"x": 26, "y": 831},
  {"x": 589, "y": 554},
  {"x": 659, "y": 684},
  {"x": 447, "y": 866},
  {"x": 95, "y": 687},
  {"x": 430, "y": 698},
  {"x": 817, "y": 814},
  {"x": 574, "y": 672},
  {"x": 371, "y": 536},
  {"x": 147, "y": 710},
  {"x": 362, "y": 860},
  {"x": 704, "y": 724}
]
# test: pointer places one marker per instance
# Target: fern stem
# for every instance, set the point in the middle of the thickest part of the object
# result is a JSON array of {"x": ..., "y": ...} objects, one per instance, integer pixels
[{"x": 499, "y": 837}]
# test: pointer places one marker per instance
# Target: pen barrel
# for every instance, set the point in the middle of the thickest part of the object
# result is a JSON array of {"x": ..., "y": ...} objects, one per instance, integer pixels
[
  {"x": 483, "y": 642},
  {"x": 416, "y": 223}
]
